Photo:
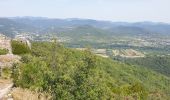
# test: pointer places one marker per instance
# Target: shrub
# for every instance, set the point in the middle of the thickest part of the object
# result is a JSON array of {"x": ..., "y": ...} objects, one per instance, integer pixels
[
  {"x": 6, "y": 72},
  {"x": 19, "y": 48},
  {"x": 3, "y": 51}
]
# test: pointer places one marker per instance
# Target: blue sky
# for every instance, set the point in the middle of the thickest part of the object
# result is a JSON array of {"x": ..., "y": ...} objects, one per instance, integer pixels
[{"x": 114, "y": 10}]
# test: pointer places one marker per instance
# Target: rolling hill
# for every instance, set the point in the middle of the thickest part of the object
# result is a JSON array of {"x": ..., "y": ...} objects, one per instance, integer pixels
[{"x": 10, "y": 26}]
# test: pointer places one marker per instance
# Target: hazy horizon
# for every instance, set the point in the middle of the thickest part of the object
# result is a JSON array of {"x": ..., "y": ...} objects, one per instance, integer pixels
[
  {"x": 119, "y": 21},
  {"x": 106, "y": 10}
]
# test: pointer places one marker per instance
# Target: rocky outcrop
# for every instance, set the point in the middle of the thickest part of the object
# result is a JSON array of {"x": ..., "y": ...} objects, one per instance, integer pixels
[
  {"x": 5, "y": 43},
  {"x": 5, "y": 87},
  {"x": 8, "y": 59}
]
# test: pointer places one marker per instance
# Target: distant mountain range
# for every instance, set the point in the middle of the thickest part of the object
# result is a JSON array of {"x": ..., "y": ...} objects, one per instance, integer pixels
[{"x": 40, "y": 25}]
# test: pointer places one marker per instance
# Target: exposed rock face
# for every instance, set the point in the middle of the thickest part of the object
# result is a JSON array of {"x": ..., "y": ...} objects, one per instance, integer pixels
[
  {"x": 5, "y": 87},
  {"x": 8, "y": 59},
  {"x": 5, "y": 43}
]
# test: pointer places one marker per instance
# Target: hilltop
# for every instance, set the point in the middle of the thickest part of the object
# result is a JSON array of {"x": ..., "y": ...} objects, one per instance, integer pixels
[
  {"x": 73, "y": 74},
  {"x": 59, "y": 72}
]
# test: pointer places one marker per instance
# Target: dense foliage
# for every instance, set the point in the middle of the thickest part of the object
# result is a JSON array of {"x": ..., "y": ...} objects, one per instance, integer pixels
[
  {"x": 3, "y": 51},
  {"x": 160, "y": 64},
  {"x": 69, "y": 74},
  {"x": 19, "y": 47}
]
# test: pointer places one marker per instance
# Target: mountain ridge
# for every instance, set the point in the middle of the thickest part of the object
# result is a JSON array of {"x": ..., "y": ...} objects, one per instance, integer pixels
[{"x": 40, "y": 25}]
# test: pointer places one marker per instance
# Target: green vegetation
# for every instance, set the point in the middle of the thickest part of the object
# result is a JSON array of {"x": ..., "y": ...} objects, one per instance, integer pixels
[
  {"x": 69, "y": 74},
  {"x": 159, "y": 64},
  {"x": 19, "y": 47},
  {"x": 3, "y": 51},
  {"x": 6, "y": 72}
]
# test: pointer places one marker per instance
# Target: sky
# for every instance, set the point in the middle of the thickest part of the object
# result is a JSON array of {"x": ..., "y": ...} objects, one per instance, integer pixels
[{"x": 113, "y": 10}]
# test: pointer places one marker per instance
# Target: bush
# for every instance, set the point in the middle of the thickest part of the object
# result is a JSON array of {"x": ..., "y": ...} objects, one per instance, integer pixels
[
  {"x": 6, "y": 72},
  {"x": 3, "y": 51},
  {"x": 19, "y": 48}
]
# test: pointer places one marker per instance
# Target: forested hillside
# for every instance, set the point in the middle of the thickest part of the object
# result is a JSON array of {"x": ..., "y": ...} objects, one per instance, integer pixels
[
  {"x": 159, "y": 64},
  {"x": 70, "y": 74}
]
